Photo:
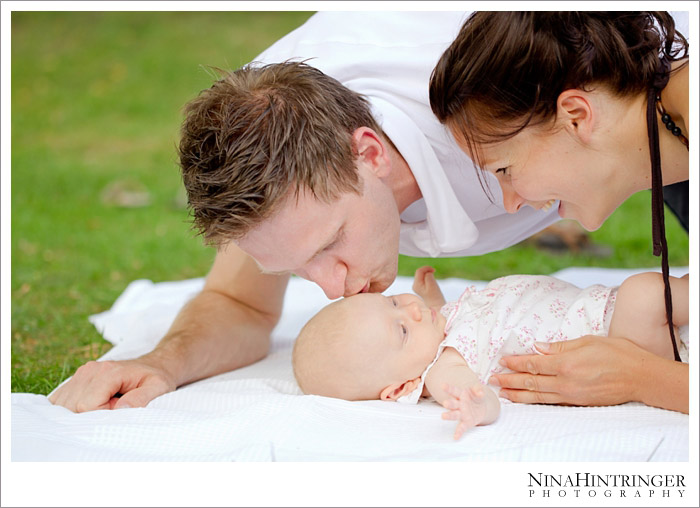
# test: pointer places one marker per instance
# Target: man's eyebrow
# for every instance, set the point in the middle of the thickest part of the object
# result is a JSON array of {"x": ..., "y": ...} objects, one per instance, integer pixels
[{"x": 334, "y": 239}]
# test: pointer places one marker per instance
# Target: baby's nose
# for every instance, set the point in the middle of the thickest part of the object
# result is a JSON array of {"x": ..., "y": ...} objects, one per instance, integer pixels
[{"x": 416, "y": 311}]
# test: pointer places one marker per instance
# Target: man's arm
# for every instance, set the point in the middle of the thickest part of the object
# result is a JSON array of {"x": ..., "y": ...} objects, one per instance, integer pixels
[{"x": 225, "y": 327}]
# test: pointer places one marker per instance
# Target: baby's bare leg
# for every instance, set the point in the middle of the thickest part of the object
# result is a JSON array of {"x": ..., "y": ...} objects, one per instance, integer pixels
[
  {"x": 425, "y": 286},
  {"x": 640, "y": 311}
]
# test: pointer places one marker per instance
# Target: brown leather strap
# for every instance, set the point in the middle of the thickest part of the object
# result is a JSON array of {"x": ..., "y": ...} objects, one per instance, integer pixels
[{"x": 658, "y": 229}]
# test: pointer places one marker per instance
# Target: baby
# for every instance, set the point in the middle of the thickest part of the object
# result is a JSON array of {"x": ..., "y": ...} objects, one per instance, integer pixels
[{"x": 402, "y": 347}]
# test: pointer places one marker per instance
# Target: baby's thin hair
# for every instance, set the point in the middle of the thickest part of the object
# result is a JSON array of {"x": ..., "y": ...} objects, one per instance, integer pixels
[{"x": 322, "y": 359}]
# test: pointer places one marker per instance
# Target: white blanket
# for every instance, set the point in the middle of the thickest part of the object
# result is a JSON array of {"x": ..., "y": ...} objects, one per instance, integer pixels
[{"x": 258, "y": 413}]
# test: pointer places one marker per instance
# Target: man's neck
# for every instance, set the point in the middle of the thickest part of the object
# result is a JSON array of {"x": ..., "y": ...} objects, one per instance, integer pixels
[{"x": 401, "y": 180}]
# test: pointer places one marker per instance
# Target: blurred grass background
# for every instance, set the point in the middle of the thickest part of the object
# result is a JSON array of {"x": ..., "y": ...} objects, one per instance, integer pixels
[{"x": 96, "y": 101}]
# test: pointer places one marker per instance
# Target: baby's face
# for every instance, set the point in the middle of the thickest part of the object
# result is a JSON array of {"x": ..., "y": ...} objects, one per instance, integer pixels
[{"x": 401, "y": 333}]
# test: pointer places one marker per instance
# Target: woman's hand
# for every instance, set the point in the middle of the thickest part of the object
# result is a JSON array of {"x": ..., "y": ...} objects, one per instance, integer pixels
[{"x": 591, "y": 371}]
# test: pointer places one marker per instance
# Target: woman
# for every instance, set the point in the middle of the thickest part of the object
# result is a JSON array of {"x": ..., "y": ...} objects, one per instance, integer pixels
[{"x": 581, "y": 110}]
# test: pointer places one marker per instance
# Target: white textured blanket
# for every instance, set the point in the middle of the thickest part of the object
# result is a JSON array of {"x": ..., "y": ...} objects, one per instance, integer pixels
[{"x": 258, "y": 413}]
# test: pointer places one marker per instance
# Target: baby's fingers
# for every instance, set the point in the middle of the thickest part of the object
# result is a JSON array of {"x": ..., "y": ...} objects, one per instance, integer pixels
[
  {"x": 476, "y": 392},
  {"x": 451, "y": 403},
  {"x": 451, "y": 415},
  {"x": 461, "y": 427}
]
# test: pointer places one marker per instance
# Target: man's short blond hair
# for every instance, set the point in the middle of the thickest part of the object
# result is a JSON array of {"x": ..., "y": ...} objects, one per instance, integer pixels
[{"x": 261, "y": 134}]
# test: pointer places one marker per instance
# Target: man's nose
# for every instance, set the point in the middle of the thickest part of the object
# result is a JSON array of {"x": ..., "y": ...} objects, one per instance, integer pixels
[
  {"x": 512, "y": 201},
  {"x": 330, "y": 277}
]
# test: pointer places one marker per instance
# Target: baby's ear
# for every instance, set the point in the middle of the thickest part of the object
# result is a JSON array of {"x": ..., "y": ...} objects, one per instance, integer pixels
[{"x": 396, "y": 390}]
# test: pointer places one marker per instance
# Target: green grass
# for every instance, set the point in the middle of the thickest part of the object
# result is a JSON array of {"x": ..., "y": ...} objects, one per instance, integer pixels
[
  {"x": 627, "y": 234},
  {"x": 96, "y": 99}
]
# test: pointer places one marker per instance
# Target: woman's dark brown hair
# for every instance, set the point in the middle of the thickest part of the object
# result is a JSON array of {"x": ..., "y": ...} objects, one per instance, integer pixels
[{"x": 505, "y": 70}]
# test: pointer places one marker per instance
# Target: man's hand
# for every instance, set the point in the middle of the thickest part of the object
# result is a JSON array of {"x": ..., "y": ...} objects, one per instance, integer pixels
[
  {"x": 589, "y": 371},
  {"x": 97, "y": 385},
  {"x": 224, "y": 327},
  {"x": 466, "y": 405},
  {"x": 425, "y": 286}
]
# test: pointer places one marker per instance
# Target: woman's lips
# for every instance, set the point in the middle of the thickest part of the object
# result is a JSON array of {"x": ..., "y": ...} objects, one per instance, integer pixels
[{"x": 548, "y": 205}]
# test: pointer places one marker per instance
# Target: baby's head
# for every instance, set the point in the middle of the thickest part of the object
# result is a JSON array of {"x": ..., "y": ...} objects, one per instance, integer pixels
[{"x": 367, "y": 346}]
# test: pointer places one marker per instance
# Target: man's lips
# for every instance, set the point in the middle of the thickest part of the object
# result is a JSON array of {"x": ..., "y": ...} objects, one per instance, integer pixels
[{"x": 365, "y": 289}]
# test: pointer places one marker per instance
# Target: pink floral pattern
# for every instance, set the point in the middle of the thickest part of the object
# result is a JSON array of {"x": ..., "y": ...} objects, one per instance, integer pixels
[{"x": 512, "y": 313}]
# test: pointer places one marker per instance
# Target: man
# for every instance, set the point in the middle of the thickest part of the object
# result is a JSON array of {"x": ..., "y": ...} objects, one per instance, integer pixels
[{"x": 289, "y": 169}]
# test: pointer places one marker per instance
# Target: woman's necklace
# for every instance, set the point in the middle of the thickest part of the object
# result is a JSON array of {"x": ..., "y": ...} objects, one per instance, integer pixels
[
  {"x": 670, "y": 124},
  {"x": 657, "y": 200}
]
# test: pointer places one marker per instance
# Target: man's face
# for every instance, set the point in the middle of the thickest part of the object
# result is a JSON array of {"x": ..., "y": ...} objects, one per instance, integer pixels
[{"x": 346, "y": 247}]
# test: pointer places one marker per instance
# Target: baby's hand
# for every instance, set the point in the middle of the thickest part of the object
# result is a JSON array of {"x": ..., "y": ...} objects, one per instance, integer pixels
[
  {"x": 424, "y": 280},
  {"x": 468, "y": 405}
]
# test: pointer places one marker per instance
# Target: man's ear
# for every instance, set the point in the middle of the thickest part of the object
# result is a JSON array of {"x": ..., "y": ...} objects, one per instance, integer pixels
[
  {"x": 371, "y": 151},
  {"x": 396, "y": 390},
  {"x": 576, "y": 110}
]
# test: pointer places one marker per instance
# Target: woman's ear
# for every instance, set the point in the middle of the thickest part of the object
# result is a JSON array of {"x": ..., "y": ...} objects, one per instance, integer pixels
[
  {"x": 396, "y": 390},
  {"x": 371, "y": 151},
  {"x": 576, "y": 109}
]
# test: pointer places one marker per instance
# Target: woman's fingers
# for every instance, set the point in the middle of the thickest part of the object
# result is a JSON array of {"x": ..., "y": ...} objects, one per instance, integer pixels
[
  {"x": 532, "y": 364},
  {"x": 527, "y": 382},
  {"x": 528, "y": 397}
]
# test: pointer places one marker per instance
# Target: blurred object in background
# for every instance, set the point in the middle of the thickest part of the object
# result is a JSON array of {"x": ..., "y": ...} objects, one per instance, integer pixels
[
  {"x": 125, "y": 194},
  {"x": 568, "y": 236},
  {"x": 180, "y": 200}
]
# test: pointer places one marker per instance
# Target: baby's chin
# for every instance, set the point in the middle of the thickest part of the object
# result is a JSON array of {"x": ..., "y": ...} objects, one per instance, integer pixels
[{"x": 441, "y": 323}]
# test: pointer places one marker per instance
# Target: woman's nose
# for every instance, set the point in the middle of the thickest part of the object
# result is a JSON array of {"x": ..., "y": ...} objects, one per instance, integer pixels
[{"x": 512, "y": 201}]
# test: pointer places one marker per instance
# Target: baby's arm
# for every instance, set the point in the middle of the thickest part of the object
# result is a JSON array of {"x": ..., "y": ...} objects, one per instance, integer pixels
[
  {"x": 457, "y": 388},
  {"x": 425, "y": 286},
  {"x": 640, "y": 311}
]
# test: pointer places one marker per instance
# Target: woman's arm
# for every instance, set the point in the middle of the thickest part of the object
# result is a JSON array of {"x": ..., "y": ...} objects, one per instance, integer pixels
[
  {"x": 458, "y": 389},
  {"x": 595, "y": 371}
]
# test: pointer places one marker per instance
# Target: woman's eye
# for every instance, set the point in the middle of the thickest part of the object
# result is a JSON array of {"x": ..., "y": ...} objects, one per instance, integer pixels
[{"x": 502, "y": 170}]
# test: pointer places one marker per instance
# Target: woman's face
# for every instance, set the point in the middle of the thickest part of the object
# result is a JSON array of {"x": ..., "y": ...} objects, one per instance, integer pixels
[{"x": 539, "y": 169}]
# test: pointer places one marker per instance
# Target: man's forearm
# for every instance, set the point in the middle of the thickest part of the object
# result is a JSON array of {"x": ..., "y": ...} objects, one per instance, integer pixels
[{"x": 212, "y": 334}]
